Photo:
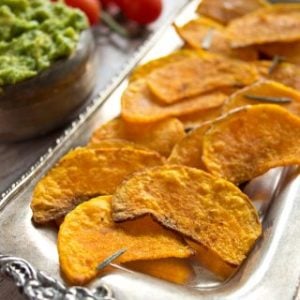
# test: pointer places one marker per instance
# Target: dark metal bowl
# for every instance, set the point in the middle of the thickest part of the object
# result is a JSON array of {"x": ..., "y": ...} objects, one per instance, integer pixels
[{"x": 38, "y": 105}]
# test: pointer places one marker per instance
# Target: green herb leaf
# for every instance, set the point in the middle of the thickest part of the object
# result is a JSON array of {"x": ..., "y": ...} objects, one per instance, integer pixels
[
  {"x": 280, "y": 100},
  {"x": 110, "y": 259},
  {"x": 207, "y": 40}
]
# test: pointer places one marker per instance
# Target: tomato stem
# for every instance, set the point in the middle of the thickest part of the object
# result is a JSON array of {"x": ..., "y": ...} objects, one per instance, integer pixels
[{"x": 114, "y": 25}]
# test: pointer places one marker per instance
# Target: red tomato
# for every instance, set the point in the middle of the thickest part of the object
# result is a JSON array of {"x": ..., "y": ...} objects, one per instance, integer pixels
[
  {"x": 92, "y": 8},
  {"x": 107, "y": 3},
  {"x": 141, "y": 11},
  {"x": 111, "y": 2}
]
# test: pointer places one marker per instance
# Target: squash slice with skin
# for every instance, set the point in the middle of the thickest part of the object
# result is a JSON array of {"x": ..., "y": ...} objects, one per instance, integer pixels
[
  {"x": 88, "y": 236},
  {"x": 209, "y": 210},
  {"x": 250, "y": 142},
  {"x": 189, "y": 150},
  {"x": 84, "y": 173}
]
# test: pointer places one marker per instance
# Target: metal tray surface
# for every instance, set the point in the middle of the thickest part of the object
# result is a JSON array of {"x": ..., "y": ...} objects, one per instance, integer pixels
[{"x": 271, "y": 271}]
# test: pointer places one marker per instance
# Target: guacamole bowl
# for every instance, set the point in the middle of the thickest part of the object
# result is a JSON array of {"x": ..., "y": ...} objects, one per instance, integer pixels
[{"x": 38, "y": 105}]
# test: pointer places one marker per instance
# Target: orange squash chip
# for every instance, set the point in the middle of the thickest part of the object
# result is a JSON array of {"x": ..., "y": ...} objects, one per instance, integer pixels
[
  {"x": 194, "y": 76},
  {"x": 139, "y": 105},
  {"x": 275, "y": 23},
  {"x": 84, "y": 173},
  {"x": 248, "y": 143},
  {"x": 285, "y": 73},
  {"x": 171, "y": 269},
  {"x": 207, "y": 209},
  {"x": 88, "y": 236},
  {"x": 188, "y": 151},
  {"x": 226, "y": 10},
  {"x": 159, "y": 136},
  {"x": 195, "y": 32},
  {"x": 263, "y": 92}
]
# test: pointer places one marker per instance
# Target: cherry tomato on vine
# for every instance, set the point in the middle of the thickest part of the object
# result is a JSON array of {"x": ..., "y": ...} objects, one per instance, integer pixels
[
  {"x": 141, "y": 11},
  {"x": 92, "y": 9}
]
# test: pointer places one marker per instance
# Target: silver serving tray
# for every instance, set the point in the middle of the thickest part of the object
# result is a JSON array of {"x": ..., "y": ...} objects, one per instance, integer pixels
[{"x": 271, "y": 271}]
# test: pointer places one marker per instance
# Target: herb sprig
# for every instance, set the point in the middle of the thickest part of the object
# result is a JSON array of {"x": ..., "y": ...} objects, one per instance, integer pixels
[
  {"x": 110, "y": 259},
  {"x": 276, "y": 100}
]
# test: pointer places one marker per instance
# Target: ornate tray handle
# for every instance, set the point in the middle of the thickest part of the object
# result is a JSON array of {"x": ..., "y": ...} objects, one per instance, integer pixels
[{"x": 36, "y": 285}]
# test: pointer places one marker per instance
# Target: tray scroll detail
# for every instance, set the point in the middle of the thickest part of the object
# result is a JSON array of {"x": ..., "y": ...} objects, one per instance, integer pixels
[{"x": 36, "y": 285}]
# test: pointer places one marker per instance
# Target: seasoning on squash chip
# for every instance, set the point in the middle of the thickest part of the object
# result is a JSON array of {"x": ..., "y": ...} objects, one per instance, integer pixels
[
  {"x": 88, "y": 236},
  {"x": 159, "y": 136},
  {"x": 202, "y": 207},
  {"x": 195, "y": 32},
  {"x": 265, "y": 92},
  {"x": 85, "y": 173},
  {"x": 248, "y": 143},
  {"x": 188, "y": 151},
  {"x": 226, "y": 10},
  {"x": 275, "y": 23},
  {"x": 139, "y": 105},
  {"x": 194, "y": 76},
  {"x": 171, "y": 269}
]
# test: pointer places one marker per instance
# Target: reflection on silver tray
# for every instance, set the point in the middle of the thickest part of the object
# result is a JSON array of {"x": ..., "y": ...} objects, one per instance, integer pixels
[{"x": 272, "y": 270}]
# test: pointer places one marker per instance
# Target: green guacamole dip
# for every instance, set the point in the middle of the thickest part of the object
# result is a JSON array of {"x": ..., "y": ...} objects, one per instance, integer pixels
[{"x": 34, "y": 34}]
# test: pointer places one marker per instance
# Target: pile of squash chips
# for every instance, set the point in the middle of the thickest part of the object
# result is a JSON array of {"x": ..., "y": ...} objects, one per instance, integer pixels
[{"x": 160, "y": 183}]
